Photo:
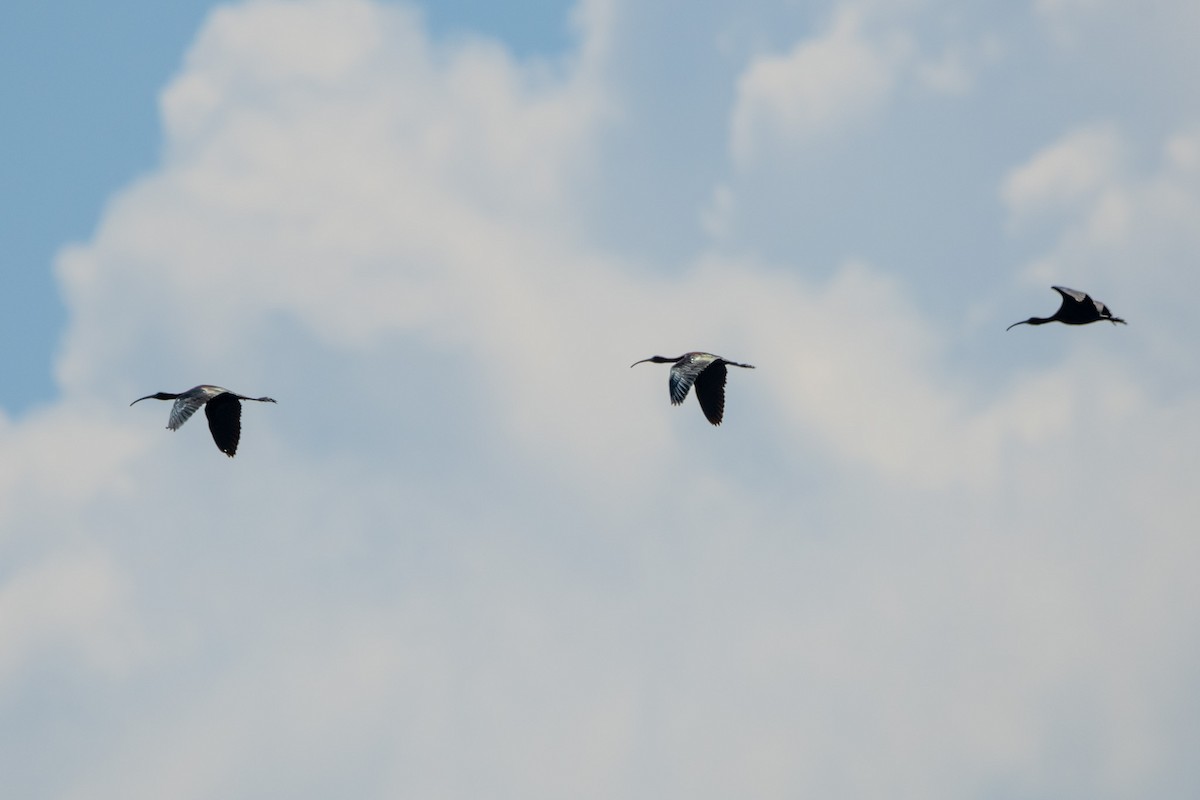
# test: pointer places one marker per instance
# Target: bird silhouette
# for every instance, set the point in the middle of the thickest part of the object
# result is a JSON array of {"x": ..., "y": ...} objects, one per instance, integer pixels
[
  {"x": 222, "y": 407},
  {"x": 1078, "y": 308},
  {"x": 706, "y": 371}
]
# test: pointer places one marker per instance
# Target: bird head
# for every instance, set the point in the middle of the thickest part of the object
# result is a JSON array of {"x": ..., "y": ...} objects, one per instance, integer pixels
[
  {"x": 655, "y": 360},
  {"x": 156, "y": 396}
]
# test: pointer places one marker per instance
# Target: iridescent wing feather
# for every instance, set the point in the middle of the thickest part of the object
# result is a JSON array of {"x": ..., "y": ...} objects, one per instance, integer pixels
[
  {"x": 1071, "y": 294},
  {"x": 183, "y": 408},
  {"x": 685, "y": 373}
]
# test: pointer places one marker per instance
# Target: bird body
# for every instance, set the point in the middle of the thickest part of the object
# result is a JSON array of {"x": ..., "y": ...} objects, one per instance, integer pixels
[
  {"x": 1077, "y": 308},
  {"x": 704, "y": 370},
  {"x": 222, "y": 407}
]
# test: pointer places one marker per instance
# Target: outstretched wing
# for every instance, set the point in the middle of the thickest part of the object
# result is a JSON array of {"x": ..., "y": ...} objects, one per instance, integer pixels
[
  {"x": 1084, "y": 306},
  {"x": 1104, "y": 311},
  {"x": 710, "y": 391},
  {"x": 183, "y": 408},
  {"x": 225, "y": 422},
  {"x": 1071, "y": 294},
  {"x": 1076, "y": 303},
  {"x": 685, "y": 372}
]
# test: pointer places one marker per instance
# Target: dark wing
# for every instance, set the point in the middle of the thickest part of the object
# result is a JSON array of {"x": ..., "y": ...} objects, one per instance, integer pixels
[
  {"x": 710, "y": 391},
  {"x": 225, "y": 422},
  {"x": 685, "y": 372},
  {"x": 1074, "y": 301},
  {"x": 1080, "y": 308}
]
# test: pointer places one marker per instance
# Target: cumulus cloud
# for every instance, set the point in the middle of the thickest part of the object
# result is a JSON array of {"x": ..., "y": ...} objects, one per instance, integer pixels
[
  {"x": 74, "y": 605},
  {"x": 1075, "y": 170},
  {"x": 954, "y": 70},
  {"x": 844, "y": 78},
  {"x": 858, "y": 79},
  {"x": 1120, "y": 231},
  {"x": 471, "y": 552},
  {"x": 814, "y": 91},
  {"x": 1129, "y": 226}
]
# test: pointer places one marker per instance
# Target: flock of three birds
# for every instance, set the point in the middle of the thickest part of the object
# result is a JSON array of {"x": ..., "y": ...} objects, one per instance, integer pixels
[{"x": 704, "y": 370}]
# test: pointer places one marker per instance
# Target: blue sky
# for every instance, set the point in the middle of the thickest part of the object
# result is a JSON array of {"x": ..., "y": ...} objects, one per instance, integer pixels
[
  {"x": 471, "y": 552},
  {"x": 80, "y": 83}
]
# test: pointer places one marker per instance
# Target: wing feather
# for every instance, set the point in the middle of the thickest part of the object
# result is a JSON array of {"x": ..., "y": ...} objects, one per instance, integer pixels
[
  {"x": 183, "y": 408},
  {"x": 710, "y": 391},
  {"x": 1073, "y": 294},
  {"x": 685, "y": 372},
  {"x": 224, "y": 414}
]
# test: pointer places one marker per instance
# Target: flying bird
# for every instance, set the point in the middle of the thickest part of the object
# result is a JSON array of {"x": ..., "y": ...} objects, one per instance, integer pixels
[
  {"x": 706, "y": 371},
  {"x": 1078, "y": 308},
  {"x": 222, "y": 407}
]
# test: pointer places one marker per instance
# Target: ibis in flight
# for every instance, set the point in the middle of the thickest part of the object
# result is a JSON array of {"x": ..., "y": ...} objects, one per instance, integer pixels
[
  {"x": 222, "y": 407},
  {"x": 1078, "y": 308},
  {"x": 706, "y": 371}
]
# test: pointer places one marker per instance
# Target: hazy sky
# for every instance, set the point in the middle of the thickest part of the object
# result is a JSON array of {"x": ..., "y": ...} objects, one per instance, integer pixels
[{"x": 470, "y": 553}]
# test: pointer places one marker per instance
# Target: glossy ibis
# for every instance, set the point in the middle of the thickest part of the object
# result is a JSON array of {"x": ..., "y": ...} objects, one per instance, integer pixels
[
  {"x": 707, "y": 372},
  {"x": 222, "y": 407},
  {"x": 1078, "y": 308}
]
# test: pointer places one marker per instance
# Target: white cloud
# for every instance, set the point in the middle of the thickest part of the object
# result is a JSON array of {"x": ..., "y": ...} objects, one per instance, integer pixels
[
  {"x": 954, "y": 71},
  {"x": 74, "y": 605},
  {"x": 1072, "y": 171},
  {"x": 1183, "y": 151},
  {"x": 948, "y": 74},
  {"x": 815, "y": 91},
  {"x": 845, "y": 78},
  {"x": 471, "y": 552},
  {"x": 1130, "y": 228}
]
